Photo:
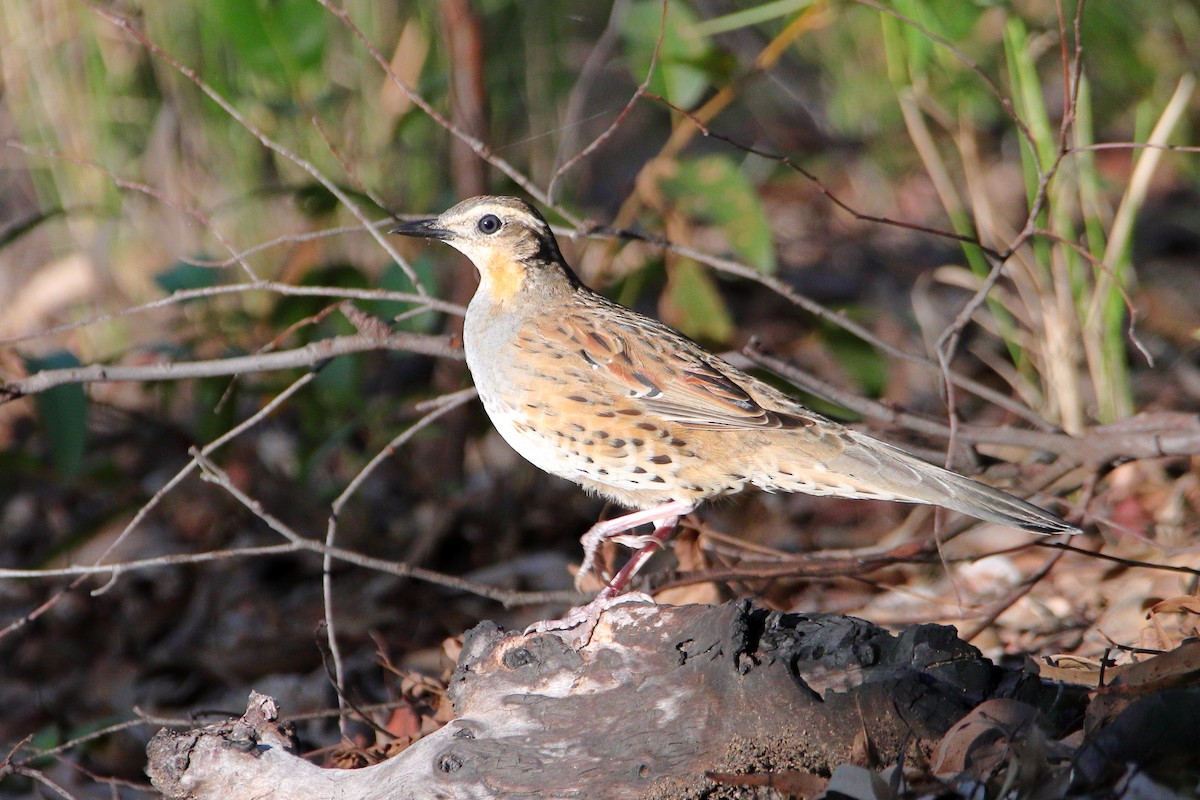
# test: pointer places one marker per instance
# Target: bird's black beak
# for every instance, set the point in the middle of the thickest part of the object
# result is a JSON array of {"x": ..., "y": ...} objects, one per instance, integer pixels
[{"x": 423, "y": 228}]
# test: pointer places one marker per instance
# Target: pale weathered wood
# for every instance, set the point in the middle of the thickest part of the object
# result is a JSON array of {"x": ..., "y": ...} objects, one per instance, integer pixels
[{"x": 657, "y": 697}]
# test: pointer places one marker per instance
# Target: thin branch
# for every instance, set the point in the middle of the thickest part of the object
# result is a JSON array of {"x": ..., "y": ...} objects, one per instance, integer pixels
[
  {"x": 505, "y": 597},
  {"x": 1007, "y": 602},
  {"x": 1125, "y": 562},
  {"x": 437, "y": 409},
  {"x": 124, "y": 24},
  {"x": 787, "y": 161},
  {"x": 600, "y": 52},
  {"x": 478, "y": 147},
  {"x": 606, "y": 40},
  {"x": 136, "y": 186},
  {"x": 309, "y": 356},
  {"x": 182, "y": 295}
]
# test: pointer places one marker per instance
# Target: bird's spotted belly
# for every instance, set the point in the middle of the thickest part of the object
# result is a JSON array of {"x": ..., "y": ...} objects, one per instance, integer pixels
[{"x": 616, "y": 448}]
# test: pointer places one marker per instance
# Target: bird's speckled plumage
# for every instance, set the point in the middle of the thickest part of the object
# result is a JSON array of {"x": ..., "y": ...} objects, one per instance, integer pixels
[{"x": 631, "y": 409}]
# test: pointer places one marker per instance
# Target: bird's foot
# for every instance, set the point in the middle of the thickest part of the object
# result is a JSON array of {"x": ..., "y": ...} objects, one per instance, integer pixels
[{"x": 588, "y": 614}]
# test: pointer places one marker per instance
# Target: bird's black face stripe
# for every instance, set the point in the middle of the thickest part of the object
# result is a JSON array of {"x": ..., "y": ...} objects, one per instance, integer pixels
[{"x": 547, "y": 248}]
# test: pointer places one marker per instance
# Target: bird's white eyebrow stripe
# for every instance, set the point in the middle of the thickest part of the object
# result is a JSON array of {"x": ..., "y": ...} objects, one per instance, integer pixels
[
  {"x": 527, "y": 219},
  {"x": 508, "y": 214}
]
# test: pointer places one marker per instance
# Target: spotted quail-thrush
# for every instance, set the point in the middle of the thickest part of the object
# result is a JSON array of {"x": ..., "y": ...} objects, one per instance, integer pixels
[{"x": 635, "y": 411}]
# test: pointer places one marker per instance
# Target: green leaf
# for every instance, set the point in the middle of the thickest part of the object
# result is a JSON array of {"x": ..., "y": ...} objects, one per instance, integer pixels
[
  {"x": 394, "y": 279},
  {"x": 181, "y": 276},
  {"x": 679, "y": 75},
  {"x": 693, "y": 305},
  {"x": 276, "y": 39},
  {"x": 339, "y": 383},
  {"x": 713, "y": 189},
  {"x": 753, "y": 15},
  {"x": 213, "y": 403},
  {"x": 63, "y": 414},
  {"x": 865, "y": 365}
]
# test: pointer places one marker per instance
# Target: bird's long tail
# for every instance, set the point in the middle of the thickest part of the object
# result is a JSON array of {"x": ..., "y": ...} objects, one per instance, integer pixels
[{"x": 897, "y": 475}]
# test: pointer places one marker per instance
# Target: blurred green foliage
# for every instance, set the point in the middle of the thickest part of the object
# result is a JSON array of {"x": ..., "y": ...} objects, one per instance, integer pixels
[
  {"x": 62, "y": 411},
  {"x": 99, "y": 110}
]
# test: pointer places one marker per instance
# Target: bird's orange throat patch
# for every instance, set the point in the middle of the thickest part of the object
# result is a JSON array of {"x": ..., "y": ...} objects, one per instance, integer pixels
[{"x": 502, "y": 277}]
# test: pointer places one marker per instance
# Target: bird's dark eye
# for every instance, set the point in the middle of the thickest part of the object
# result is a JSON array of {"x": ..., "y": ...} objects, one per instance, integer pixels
[{"x": 489, "y": 223}]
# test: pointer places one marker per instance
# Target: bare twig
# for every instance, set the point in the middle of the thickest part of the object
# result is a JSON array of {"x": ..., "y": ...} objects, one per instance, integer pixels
[
  {"x": 310, "y": 356},
  {"x": 600, "y": 52},
  {"x": 182, "y": 295},
  {"x": 135, "y": 186},
  {"x": 1126, "y": 562},
  {"x": 124, "y": 24},
  {"x": 1005, "y": 603},
  {"x": 505, "y": 597},
  {"x": 480, "y": 149},
  {"x": 602, "y": 45},
  {"x": 440, "y": 406}
]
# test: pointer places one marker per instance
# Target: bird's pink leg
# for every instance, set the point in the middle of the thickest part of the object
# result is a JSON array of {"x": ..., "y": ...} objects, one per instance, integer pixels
[
  {"x": 667, "y": 516},
  {"x": 648, "y": 546}
]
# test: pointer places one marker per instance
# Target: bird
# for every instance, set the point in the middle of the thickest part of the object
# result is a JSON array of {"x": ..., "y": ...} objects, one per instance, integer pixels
[{"x": 638, "y": 413}]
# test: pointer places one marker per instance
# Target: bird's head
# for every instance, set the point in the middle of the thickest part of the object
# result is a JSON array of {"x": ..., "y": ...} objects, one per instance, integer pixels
[{"x": 506, "y": 239}]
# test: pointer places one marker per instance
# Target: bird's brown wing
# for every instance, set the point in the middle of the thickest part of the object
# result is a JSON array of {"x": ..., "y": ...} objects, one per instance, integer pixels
[{"x": 670, "y": 375}]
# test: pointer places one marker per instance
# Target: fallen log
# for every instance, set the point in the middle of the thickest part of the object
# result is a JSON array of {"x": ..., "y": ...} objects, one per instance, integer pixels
[{"x": 655, "y": 701}]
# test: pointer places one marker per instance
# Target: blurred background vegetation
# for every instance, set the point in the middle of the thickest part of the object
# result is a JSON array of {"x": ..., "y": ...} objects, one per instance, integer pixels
[{"x": 125, "y": 181}]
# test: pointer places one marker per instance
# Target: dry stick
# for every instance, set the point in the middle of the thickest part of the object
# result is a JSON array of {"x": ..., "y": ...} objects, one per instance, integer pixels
[
  {"x": 39, "y": 777},
  {"x": 732, "y": 267},
  {"x": 47, "y": 604},
  {"x": 347, "y": 167},
  {"x": 478, "y": 147},
  {"x": 505, "y": 597},
  {"x": 1061, "y": 444},
  {"x": 816, "y": 182},
  {"x": 309, "y": 356},
  {"x": 605, "y": 42},
  {"x": 150, "y": 191},
  {"x": 1072, "y": 78},
  {"x": 917, "y": 551},
  {"x": 441, "y": 406},
  {"x": 1002, "y": 605},
  {"x": 142, "y": 512},
  {"x": 600, "y": 52},
  {"x": 426, "y": 303},
  {"x": 82, "y": 739},
  {"x": 116, "y": 570},
  {"x": 226, "y": 106},
  {"x": 1127, "y": 562}
]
